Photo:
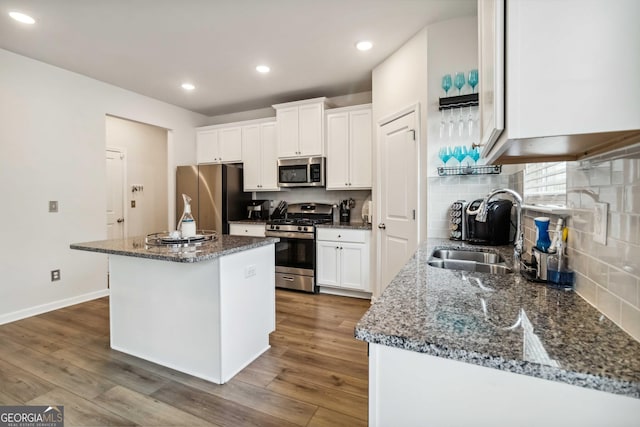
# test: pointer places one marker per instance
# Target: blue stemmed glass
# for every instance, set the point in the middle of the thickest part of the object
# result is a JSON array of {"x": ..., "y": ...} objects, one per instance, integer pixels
[
  {"x": 474, "y": 154},
  {"x": 458, "y": 81},
  {"x": 445, "y": 154},
  {"x": 446, "y": 83},
  {"x": 458, "y": 153},
  {"x": 473, "y": 79}
]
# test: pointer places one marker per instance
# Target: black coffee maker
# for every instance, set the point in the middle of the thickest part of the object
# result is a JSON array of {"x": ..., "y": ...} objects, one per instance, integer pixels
[
  {"x": 496, "y": 229},
  {"x": 258, "y": 210}
]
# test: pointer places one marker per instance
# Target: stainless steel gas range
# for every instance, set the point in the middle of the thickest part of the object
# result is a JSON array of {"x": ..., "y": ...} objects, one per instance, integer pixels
[{"x": 296, "y": 251}]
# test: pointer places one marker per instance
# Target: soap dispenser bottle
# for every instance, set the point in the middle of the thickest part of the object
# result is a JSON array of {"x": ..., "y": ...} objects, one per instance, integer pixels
[
  {"x": 187, "y": 224},
  {"x": 559, "y": 275}
]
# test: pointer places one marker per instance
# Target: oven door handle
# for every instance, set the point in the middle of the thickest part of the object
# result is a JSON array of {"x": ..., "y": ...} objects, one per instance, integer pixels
[
  {"x": 288, "y": 278},
  {"x": 290, "y": 235}
]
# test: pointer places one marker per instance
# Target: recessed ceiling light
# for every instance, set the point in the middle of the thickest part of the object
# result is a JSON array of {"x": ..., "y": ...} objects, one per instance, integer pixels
[
  {"x": 263, "y": 69},
  {"x": 21, "y": 17},
  {"x": 188, "y": 86},
  {"x": 364, "y": 45}
]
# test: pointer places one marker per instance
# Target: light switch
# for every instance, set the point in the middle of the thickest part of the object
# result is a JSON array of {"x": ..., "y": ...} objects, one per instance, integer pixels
[
  {"x": 53, "y": 206},
  {"x": 133, "y": 203}
]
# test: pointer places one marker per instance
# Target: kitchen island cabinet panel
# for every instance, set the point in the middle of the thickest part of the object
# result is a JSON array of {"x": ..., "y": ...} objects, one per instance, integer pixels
[
  {"x": 204, "y": 310},
  {"x": 407, "y": 388}
]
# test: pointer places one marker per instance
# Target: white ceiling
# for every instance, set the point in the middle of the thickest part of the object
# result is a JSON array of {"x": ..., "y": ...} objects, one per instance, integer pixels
[{"x": 152, "y": 46}]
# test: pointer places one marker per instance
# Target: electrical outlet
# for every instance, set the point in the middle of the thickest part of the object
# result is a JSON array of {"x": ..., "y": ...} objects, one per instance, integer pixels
[
  {"x": 55, "y": 275},
  {"x": 600, "y": 216},
  {"x": 249, "y": 271},
  {"x": 53, "y": 206}
]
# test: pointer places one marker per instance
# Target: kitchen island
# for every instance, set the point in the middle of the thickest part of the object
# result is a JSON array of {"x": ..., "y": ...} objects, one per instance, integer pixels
[
  {"x": 450, "y": 347},
  {"x": 204, "y": 310}
]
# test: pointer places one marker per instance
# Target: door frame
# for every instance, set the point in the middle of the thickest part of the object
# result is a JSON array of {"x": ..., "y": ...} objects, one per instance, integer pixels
[
  {"x": 123, "y": 154},
  {"x": 411, "y": 108}
]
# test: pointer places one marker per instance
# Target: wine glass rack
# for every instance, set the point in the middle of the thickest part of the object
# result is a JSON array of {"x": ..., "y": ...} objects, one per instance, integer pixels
[
  {"x": 469, "y": 170},
  {"x": 468, "y": 100}
]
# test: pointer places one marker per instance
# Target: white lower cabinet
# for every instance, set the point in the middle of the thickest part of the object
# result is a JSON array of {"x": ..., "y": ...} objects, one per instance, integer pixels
[
  {"x": 253, "y": 230},
  {"x": 342, "y": 259}
]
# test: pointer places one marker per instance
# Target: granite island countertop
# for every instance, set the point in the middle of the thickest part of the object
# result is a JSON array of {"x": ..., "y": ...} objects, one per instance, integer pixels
[
  {"x": 136, "y": 247},
  {"x": 503, "y": 322}
]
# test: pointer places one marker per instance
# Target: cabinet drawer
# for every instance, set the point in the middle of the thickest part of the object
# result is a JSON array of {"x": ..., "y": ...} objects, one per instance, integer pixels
[
  {"x": 342, "y": 235},
  {"x": 254, "y": 230}
]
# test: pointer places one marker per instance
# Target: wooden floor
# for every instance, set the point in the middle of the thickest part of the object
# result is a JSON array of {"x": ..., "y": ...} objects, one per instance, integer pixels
[{"x": 315, "y": 373}]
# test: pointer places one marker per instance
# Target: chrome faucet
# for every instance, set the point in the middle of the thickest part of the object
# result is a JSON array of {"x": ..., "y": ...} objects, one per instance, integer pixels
[{"x": 481, "y": 216}]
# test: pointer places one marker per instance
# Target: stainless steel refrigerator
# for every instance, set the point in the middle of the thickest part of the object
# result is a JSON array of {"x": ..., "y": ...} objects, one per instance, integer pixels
[{"x": 216, "y": 193}]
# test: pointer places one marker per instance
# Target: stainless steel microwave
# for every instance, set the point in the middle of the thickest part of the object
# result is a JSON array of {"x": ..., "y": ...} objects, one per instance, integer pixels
[{"x": 303, "y": 172}]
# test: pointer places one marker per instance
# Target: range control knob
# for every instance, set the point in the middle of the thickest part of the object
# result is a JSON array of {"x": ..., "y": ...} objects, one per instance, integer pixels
[
  {"x": 300, "y": 228},
  {"x": 277, "y": 227}
]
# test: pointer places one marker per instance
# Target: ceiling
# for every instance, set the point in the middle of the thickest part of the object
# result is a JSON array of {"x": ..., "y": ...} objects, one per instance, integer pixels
[{"x": 152, "y": 46}]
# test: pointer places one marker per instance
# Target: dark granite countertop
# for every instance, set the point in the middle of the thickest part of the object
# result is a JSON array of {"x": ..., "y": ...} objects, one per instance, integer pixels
[
  {"x": 503, "y": 322},
  {"x": 136, "y": 247},
  {"x": 352, "y": 225}
]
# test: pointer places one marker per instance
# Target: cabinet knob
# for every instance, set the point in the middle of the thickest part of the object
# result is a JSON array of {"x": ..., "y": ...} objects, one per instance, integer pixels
[
  {"x": 346, "y": 184},
  {"x": 337, "y": 247},
  {"x": 339, "y": 236}
]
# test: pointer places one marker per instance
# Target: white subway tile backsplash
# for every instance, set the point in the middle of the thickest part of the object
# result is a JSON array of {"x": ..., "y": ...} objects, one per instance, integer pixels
[
  {"x": 625, "y": 286},
  {"x": 586, "y": 288},
  {"x": 630, "y": 320},
  {"x": 632, "y": 199},
  {"x": 608, "y": 304}
]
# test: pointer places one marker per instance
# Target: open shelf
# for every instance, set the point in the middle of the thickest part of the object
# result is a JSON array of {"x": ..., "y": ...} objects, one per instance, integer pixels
[
  {"x": 469, "y": 100},
  {"x": 469, "y": 170}
]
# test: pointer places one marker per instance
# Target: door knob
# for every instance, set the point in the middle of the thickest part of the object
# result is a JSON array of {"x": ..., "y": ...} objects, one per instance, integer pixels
[
  {"x": 381, "y": 226},
  {"x": 119, "y": 220}
]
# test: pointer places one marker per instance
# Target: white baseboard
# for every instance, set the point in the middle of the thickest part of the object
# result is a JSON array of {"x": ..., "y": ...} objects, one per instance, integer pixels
[
  {"x": 39, "y": 309},
  {"x": 344, "y": 292}
]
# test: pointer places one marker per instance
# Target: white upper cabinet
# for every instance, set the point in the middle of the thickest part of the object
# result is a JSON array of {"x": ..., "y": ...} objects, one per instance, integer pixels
[
  {"x": 300, "y": 127},
  {"x": 260, "y": 159},
  {"x": 219, "y": 144},
  {"x": 349, "y": 146},
  {"x": 570, "y": 86}
]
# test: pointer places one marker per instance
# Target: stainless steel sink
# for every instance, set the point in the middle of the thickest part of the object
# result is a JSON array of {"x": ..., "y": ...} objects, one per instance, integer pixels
[
  {"x": 473, "y": 261},
  {"x": 462, "y": 255}
]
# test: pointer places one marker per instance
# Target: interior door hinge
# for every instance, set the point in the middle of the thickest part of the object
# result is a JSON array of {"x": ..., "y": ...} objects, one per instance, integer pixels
[
  {"x": 413, "y": 134},
  {"x": 121, "y": 156},
  {"x": 414, "y": 214}
]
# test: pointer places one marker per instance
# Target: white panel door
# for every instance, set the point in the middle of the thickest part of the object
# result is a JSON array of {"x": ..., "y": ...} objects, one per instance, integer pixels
[
  {"x": 287, "y": 119},
  {"x": 328, "y": 268},
  {"x": 230, "y": 143},
  {"x": 269, "y": 145},
  {"x": 337, "y": 151},
  {"x": 310, "y": 119},
  {"x": 398, "y": 196},
  {"x": 360, "y": 149},
  {"x": 207, "y": 146},
  {"x": 251, "y": 157},
  {"x": 115, "y": 194}
]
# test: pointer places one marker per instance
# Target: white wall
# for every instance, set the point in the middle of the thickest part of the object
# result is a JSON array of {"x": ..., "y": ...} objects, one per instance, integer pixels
[
  {"x": 399, "y": 82},
  {"x": 262, "y": 113},
  {"x": 52, "y": 147},
  {"x": 146, "y": 165}
]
